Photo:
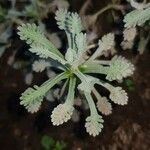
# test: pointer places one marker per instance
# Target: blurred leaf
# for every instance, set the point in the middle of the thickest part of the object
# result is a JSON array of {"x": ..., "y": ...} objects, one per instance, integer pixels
[
  {"x": 131, "y": 89},
  {"x": 2, "y": 14},
  {"x": 12, "y": 13},
  {"x": 47, "y": 142},
  {"x": 2, "y": 50},
  {"x": 130, "y": 84},
  {"x": 5, "y": 34},
  {"x": 30, "y": 11},
  {"x": 60, "y": 145}
]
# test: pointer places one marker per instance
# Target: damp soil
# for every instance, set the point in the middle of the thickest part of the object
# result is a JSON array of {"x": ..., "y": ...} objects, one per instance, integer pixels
[{"x": 127, "y": 128}]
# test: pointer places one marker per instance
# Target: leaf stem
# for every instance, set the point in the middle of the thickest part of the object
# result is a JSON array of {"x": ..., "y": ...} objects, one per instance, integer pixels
[
  {"x": 91, "y": 103},
  {"x": 71, "y": 93}
]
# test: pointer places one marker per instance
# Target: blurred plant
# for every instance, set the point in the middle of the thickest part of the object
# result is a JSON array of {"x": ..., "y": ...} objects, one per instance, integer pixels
[
  {"x": 90, "y": 21},
  {"x": 2, "y": 13},
  {"x": 129, "y": 84},
  {"x": 5, "y": 33},
  {"x": 140, "y": 17},
  {"x": 7, "y": 18},
  {"x": 36, "y": 11},
  {"x": 48, "y": 143},
  {"x": 129, "y": 35},
  {"x": 75, "y": 65}
]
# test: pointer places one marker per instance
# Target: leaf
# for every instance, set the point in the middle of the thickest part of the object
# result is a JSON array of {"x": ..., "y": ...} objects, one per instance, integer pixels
[
  {"x": 33, "y": 97},
  {"x": 69, "y": 56},
  {"x": 43, "y": 52},
  {"x": 40, "y": 65},
  {"x": 107, "y": 42},
  {"x": 94, "y": 125},
  {"x": 63, "y": 112},
  {"x": 60, "y": 145},
  {"x": 130, "y": 84},
  {"x": 119, "y": 68},
  {"x": 137, "y": 18},
  {"x": 94, "y": 68},
  {"x": 67, "y": 21},
  {"x": 94, "y": 122},
  {"x": 34, "y": 36},
  {"x": 3, "y": 13},
  {"x": 61, "y": 16},
  {"x": 103, "y": 105},
  {"x": 2, "y": 50},
  {"x": 118, "y": 95},
  {"x": 73, "y": 23},
  {"x": 47, "y": 142},
  {"x": 139, "y": 5},
  {"x": 6, "y": 34},
  {"x": 81, "y": 43},
  {"x": 88, "y": 84},
  {"x": 31, "y": 11}
]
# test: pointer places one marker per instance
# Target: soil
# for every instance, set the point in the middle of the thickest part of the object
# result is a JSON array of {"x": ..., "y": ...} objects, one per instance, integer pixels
[{"x": 127, "y": 128}]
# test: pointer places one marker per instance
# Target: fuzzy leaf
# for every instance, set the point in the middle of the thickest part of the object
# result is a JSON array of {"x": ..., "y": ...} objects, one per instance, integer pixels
[
  {"x": 81, "y": 43},
  {"x": 61, "y": 16},
  {"x": 63, "y": 112},
  {"x": 67, "y": 21},
  {"x": 94, "y": 125},
  {"x": 137, "y": 17},
  {"x": 33, "y": 97},
  {"x": 69, "y": 56},
  {"x": 104, "y": 106},
  {"x": 33, "y": 36},
  {"x": 73, "y": 23},
  {"x": 105, "y": 43},
  {"x": 39, "y": 66},
  {"x": 43, "y": 52},
  {"x": 87, "y": 84},
  {"x": 118, "y": 96},
  {"x": 119, "y": 68},
  {"x": 139, "y": 5}
]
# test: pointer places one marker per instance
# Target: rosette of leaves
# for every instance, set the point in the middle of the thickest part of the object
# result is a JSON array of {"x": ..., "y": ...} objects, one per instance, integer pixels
[{"x": 75, "y": 66}]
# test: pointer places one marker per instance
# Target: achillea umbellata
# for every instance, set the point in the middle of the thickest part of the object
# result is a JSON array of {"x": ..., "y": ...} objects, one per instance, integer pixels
[{"x": 75, "y": 66}]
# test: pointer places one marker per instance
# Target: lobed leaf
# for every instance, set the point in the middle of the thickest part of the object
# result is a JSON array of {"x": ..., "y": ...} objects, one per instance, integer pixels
[
  {"x": 43, "y": 52},
  {"x": 137, "y": 17},
  {"x": 81, "y": 43},
  {"x": 33, "y": 97},
  {"x": 33, "y": 35}
]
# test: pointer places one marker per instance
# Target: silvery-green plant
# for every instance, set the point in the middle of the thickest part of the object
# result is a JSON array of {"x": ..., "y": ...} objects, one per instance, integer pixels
[
  {"x": 75, "y": 65},
  {"x": 139, "y": 17}
]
